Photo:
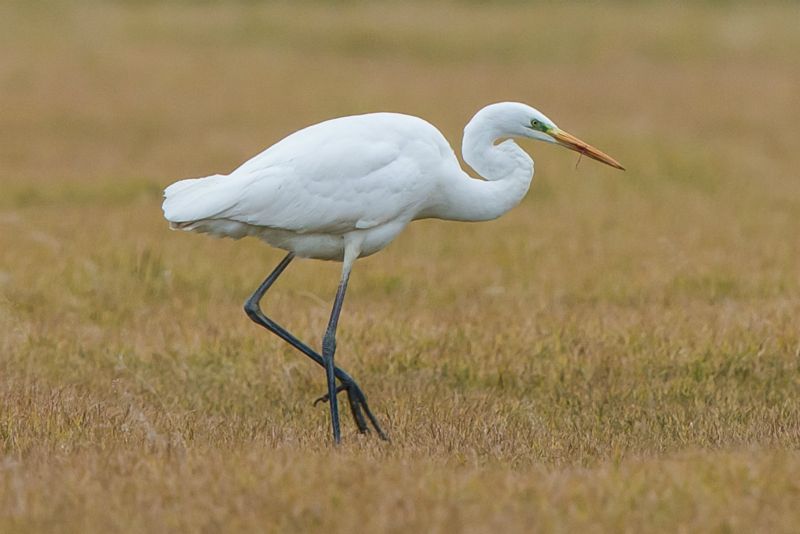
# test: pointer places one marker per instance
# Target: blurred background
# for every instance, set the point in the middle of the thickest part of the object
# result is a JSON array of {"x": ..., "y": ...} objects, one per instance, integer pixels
[
  {"x": 106, "y": 103},
  {"x": 141, "y": 92},
  {"x": 612, "y": 318}
]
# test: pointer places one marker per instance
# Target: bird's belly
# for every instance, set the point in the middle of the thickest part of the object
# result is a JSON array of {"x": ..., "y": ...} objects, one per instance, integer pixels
[
  {"x": 331, "y": 246},
  {"x": 378, "y": 237},
  {"x": 317, "y": 246},
  {"x": 321, "y": 246}
]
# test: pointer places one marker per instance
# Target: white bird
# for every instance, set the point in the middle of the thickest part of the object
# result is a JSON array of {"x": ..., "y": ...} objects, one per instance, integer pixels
[{"x": 345, "y": 188}]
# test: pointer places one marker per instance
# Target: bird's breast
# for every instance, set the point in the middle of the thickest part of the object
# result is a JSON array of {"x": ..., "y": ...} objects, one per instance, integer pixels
[{"x": 325, "y": 246}]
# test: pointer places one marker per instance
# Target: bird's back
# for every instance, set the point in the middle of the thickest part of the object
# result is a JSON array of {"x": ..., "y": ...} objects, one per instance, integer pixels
[{"x": 339, "y": 176}]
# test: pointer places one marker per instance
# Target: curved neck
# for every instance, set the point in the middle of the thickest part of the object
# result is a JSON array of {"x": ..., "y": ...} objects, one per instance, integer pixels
[{"x": 506, "y": 168}]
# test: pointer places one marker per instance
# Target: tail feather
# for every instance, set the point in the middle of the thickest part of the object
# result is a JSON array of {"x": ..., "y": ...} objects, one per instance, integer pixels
[{"x": 196, "y": 199}]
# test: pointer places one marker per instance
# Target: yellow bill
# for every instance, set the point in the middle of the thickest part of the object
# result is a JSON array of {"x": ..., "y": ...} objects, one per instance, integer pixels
[{"x": 573, "y": 143}]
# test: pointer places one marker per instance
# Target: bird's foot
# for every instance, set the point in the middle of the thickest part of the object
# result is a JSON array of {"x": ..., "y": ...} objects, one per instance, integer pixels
[
  {"x": 327, "y": 397},
  {"x": 358, "y": 407}
]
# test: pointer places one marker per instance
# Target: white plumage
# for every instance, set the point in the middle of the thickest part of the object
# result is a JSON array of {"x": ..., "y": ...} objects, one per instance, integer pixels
[
  {"x": 366, "y": 176},
  {"x": 345, "y": 188}
]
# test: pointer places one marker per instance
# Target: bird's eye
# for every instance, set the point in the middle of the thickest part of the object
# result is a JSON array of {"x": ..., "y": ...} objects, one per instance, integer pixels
[{"x": 536, "y": 124}]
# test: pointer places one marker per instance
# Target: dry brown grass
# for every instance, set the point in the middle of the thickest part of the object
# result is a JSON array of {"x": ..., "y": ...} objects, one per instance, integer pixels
[{"x": 619, "y": 353}]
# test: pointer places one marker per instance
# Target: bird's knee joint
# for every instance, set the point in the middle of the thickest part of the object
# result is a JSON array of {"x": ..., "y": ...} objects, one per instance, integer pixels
[
  {"x": 252, "y": 309},
  {"x": 329, "y": 343}
]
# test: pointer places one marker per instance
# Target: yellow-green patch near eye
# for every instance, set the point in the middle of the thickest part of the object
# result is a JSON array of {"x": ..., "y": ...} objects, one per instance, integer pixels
[{"x": 536, "y": 124}]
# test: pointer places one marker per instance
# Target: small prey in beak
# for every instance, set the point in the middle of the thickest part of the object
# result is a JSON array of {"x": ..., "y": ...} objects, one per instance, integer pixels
[{"x": 573, "y": 143}]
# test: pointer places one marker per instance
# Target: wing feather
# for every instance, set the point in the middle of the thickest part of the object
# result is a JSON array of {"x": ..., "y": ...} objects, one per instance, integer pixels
[{"x": 333, "y": 177}]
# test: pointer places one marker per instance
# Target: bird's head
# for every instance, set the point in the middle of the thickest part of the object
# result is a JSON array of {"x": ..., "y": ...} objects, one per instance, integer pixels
[{"x": 522, "y": 120}]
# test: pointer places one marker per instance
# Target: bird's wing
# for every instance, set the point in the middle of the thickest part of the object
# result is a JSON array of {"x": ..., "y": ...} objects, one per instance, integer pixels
[
  {"x": 345, "y": 184},
  {"x": 333, "y": 177}
]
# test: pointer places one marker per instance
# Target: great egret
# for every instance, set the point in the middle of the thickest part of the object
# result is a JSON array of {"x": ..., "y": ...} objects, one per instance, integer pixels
[{"x": 344, "y": 188}]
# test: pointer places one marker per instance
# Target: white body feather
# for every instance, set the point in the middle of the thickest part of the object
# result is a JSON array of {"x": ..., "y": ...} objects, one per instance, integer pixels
[{"x": 356, "y": 182}]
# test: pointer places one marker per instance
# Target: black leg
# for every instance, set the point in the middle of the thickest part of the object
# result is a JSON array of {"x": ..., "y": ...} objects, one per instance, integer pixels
[
  {"x": 329, "y": 350},
  {"x": 357, "y": 399}
]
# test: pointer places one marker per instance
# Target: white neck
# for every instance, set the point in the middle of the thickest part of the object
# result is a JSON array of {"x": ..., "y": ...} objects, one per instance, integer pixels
[{"x": 506, "y": 168}]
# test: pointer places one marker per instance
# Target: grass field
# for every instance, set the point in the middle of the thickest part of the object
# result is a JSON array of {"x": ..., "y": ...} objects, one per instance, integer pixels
[{"x": 619, "y": 353}]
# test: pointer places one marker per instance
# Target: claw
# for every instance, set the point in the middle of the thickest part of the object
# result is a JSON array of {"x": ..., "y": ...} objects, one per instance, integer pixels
[
  {"x": 326, "y": 397},
  {"x": 357, "y": 403}
]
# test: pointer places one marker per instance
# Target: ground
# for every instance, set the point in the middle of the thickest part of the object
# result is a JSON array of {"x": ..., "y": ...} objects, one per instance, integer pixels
[{"x": 620, "y": 353}]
